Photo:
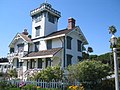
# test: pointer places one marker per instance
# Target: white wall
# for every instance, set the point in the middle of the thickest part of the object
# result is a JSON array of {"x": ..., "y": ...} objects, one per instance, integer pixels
[
  {"x": 57, "y": 42},
  {"x": 19, "y": 41},
  {"x": 58, "y": 59},
  {"x": 41, "y": 24},
  {"x": 42, "y": 45},
  {"x": 46, "y": 26},
  {"x": 74, "y": 51}
]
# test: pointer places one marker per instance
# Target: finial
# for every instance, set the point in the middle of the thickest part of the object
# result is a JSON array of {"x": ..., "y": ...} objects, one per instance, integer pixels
[{"x": 46, "y": 1}]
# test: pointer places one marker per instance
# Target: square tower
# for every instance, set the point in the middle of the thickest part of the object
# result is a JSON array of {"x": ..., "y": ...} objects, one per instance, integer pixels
[{"x": 44, "y": 20}]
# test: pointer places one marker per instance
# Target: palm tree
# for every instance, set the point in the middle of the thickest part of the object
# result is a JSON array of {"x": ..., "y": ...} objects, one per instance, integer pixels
[
  {"x": 89, "y": 50},
  {"x": 112, "y": 30}
]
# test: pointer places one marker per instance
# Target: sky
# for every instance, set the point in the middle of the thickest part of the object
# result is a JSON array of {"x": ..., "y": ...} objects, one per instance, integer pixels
[{"x": 93, "y": 17}]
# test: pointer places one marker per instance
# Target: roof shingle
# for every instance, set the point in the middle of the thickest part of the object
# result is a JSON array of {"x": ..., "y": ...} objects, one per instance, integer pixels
[
  {"x": 26, "y": 37},
  {"x": 44, "y": 52},
  {"x": 64, "y": 31}
]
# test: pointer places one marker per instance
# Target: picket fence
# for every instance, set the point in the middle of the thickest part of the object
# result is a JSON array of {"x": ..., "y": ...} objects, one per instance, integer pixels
[{"x": 44, "y": 84}]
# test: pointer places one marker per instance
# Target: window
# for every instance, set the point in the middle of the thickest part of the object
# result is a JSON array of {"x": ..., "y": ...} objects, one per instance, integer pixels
[
  {"x": 69, "y": 59},
  {"x": 37, "y": 18},
  {"x": 21, "y": 64},
  {"x": 49, "y": 44},
  {"x": 32, "y": 63},
  {"x": 36, "y": 46},
  {"x": 39, "y": 63},
  {"x": 79, "y": 45},
  {"x": 51, "y": 18},
  {"x": 17, "y": 63},
  {"x": 69, "y": 40},
  {"x": 48, "y": 62},
  {"x": 37, "y": 33},
  {"x": 11, "y": 50},
  {"x": 5, "y": 66},
  {"x": 20, "y": 47},
  {"x": 79, "y": 58}
]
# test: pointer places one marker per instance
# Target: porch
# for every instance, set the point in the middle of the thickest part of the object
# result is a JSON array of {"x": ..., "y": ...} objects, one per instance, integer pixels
[{"x": 37, "y": 61}]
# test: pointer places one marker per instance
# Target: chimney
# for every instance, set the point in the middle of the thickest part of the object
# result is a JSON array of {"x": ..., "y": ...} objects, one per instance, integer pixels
[
  {"x": 25, "y": 32},
  {"x": 71, "y": 23}
]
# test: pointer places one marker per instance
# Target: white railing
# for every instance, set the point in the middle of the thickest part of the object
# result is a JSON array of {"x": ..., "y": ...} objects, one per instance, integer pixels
[{"x": 41, "y": 83}]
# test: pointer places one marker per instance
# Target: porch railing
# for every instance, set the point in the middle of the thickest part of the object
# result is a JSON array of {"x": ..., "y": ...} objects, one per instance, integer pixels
[{"x": 10, "y": 56}]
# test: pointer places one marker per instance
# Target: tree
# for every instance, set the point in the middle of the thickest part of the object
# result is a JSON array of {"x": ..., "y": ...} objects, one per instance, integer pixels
[
  {"x": 112, "y": 29},
  {"x": 12, "y": 73},
  {"x": 85, "y": 55},
  {"x": 89, "y": 71},
  {"x": 89, "y": 50}
]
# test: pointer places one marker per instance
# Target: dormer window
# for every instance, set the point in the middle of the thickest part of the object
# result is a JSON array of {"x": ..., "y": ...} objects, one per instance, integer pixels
[
  {"x": 37, "y": 33},
  {"x": 20, "y": 47}
]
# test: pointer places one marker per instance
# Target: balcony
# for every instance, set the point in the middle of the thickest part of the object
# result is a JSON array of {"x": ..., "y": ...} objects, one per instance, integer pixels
[{"x": 11, "y": 56}]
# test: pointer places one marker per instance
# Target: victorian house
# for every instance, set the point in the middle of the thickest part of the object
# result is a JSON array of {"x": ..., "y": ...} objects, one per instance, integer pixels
[{"x": 47, "y": 46}]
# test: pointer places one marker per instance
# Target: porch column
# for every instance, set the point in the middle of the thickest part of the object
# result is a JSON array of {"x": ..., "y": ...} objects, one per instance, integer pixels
[
  {"x": 44, "y": 63},
  {"x": 24, "y": 65},
  {"x": 36, "y": 63},
  {"x": 51, "y": 61}
]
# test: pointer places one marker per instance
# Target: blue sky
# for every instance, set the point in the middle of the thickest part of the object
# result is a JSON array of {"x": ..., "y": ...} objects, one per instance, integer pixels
[{"x": 93, "y": 16}]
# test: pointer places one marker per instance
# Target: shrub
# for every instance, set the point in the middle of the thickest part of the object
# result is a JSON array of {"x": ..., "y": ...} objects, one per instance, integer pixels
[{"x": 29, "y": 87}]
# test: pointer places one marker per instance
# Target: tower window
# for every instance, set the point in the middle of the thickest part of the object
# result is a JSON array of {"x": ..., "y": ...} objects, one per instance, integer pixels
[
  {"x": 37, "y": 18},
  {"x": 51, "y": 18},
  {"x": 37, "y": 33}
]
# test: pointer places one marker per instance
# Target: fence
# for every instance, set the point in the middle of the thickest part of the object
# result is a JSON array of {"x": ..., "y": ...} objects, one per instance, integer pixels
[{"x": 43, "y": 84}]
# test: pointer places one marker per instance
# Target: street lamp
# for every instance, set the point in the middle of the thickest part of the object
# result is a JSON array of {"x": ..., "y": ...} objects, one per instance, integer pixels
[{"x": 113, "y": 41}]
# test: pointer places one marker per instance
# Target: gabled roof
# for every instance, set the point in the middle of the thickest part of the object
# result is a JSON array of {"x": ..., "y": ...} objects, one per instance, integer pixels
[
  {"x": 26, "y": 38},
  {"x": 19, "y": 35},
  {"x": 64, "y": 32},
  {"x": 43, "y": 53}
]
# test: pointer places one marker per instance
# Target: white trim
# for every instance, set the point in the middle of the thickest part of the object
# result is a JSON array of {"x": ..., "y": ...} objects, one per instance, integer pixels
[
  {"x": 54, "y": 37},
  {"x": 16, "y": 38},
  {"x": 34, "y": 57},
  {"x": 5, "y": 63}
]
